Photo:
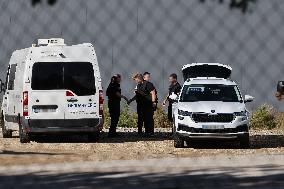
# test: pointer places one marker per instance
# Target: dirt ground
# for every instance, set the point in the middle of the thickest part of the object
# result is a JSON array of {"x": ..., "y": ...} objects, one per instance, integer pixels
[{"x": 62, "y": 149}]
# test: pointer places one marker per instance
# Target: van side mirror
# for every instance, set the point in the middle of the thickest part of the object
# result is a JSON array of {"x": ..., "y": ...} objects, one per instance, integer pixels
[
  {"x": 248, "y": 98},
  {"x": 1, "y": 86},
  {"x": 280, "y": 87},
  {"x": 173, "y": 97}
]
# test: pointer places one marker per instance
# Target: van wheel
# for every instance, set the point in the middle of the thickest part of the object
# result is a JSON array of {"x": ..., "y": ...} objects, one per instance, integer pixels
[
  {"x": 178, "y": 142},
  {"x": 244, "y": 141},
  {"x": 94, "y": 137},
  {"x": 6, "y": 133},
  {"x": 24, "y": 137}
]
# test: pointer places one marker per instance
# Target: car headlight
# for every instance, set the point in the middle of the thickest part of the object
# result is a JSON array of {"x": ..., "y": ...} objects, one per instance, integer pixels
[
  {"x": 241, "y": 114},
  {"x": 184, "y": 113}
]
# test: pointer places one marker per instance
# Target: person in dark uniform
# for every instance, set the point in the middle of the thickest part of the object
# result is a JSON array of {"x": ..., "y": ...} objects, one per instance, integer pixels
[
  {"x": 175, "y": 88},
  {"x": 114, "y": 97},
  {"x": 147, "y": 77},
  {"x": 146, "y": 101}
]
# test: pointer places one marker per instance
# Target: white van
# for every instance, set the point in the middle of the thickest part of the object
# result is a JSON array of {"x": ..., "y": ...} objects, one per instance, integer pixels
[
  {"x": 52, "y": 88},
  {"x": 210, "y": 106}
]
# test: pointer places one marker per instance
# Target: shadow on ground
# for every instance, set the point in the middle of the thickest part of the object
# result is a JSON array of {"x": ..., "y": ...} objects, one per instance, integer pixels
[
  {"x": 229, "y": 177},
  {"x": 7, "y": 152},
  {"x": 257, "y": 141},
  {"x": 123, "y": 137}
]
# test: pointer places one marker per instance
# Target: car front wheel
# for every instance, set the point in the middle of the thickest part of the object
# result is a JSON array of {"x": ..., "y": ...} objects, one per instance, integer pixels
[
  {"x": 178, "y": 141},
  {"x": 244, "y": 141}
]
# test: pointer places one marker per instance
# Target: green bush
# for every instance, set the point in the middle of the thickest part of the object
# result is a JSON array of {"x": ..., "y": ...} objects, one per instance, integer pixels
[
  {"x": 161, "y": 119},
  {"x": 265, "y": 117},
  {"x": 129, "y": 119}
]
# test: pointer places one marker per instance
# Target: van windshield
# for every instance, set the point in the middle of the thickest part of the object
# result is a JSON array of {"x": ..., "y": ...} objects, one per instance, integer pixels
[
  {"x": 210, "y": 92},
  {"x": 75, "y": 76}
]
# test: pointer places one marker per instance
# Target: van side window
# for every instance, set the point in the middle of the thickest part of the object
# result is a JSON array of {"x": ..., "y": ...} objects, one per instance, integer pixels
[{"x": 12, "y": 75}]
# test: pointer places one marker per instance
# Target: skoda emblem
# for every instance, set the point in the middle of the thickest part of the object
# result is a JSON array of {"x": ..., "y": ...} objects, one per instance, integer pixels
[{"x": 213, "y": 111}]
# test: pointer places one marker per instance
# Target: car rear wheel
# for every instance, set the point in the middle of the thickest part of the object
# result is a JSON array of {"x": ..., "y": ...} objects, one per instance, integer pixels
[
  {"x": 178, "y": 142},
  {"x": 24, "y": 137},
  {"x": 6, "y": 133},
  {"x": 245, "y": 141}
]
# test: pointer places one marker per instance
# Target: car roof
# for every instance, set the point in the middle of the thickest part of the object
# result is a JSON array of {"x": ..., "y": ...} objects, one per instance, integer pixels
[{"x": 219, "y": 81}]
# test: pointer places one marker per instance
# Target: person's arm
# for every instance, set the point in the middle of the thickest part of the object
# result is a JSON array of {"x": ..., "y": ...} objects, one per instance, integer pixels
[
  {"x": 165, "y": 101},
  {"x": 121, "y": 96},
  {"x": 153, "y": 96},
  {"x": 131, "y": 100}
]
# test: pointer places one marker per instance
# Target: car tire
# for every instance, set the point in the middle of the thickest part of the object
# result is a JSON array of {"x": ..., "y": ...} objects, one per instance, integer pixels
[
  {"x": 6, "y": 133},
  {"x": 178, "y": 142},
  {"x": 245, "y": 141},
  {"x": 24, "y": 137},
  {"x": 188, "y": 143},
  {"x": 94, "y": 137}
]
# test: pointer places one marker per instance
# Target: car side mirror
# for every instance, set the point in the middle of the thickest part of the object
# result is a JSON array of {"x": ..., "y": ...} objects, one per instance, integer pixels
[
  {"x": 248, "y": 98},
  {"x": 173, "y": 97},
  {"x": 1, "y": 86}
]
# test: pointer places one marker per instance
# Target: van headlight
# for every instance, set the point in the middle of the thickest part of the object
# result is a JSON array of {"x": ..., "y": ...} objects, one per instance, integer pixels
[{"x": 184, "y": 113}]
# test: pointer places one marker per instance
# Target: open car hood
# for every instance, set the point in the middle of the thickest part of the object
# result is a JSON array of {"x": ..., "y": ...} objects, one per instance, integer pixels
[{"x": 216, "y": 70}]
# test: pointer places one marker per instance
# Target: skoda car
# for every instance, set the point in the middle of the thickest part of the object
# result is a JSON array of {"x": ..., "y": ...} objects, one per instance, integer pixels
[{"x": 210, "y": 106}]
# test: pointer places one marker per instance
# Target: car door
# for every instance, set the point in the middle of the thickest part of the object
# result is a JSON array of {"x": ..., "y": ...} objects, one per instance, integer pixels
[
  {"x": 82, "y": 97},
  {"x": 46, "y": 98}
]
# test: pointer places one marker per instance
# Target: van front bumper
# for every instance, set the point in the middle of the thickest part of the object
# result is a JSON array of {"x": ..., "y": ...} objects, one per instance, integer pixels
[{"x": 45, "y": 126}]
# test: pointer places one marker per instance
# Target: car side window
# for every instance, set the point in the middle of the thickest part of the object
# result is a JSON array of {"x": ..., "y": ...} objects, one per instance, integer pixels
[{"x": 12, "y": 74}]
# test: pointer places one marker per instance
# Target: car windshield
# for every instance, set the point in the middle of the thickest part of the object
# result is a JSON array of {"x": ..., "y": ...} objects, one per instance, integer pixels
[
  {"x": 75, "y": 76},
  {"x": 210, "y": 92}
]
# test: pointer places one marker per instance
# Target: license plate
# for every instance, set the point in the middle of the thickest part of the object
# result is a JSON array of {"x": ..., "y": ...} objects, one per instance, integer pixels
[
  {"x": 43, "y": 110},
  {"x": 213, "y": 127}
]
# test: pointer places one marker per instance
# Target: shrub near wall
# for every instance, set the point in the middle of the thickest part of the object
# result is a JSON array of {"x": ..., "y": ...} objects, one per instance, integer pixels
[
  {"x": 129, "y": 118},
  {"x": 265, "y": 117}
]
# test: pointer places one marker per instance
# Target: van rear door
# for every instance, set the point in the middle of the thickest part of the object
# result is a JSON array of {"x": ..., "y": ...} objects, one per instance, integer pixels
[
  {"x": 82, "y": 97},
  {"x": 206, "y": 70},
  {"x": 46, "y": 99}
]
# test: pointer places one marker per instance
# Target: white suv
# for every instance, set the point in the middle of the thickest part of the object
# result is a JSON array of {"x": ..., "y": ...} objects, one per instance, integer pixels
[{"x": 210, "y": 106}]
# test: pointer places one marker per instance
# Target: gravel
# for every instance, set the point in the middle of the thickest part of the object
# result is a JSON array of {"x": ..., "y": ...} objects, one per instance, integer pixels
[{"x": 129, "y": 146}]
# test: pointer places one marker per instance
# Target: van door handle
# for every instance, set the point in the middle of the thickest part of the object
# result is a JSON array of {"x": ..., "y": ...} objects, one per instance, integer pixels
[{"x": 72, "y": 100}]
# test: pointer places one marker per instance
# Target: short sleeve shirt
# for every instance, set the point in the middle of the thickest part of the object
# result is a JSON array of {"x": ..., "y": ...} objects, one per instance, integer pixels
[
  {"x": 112, "y": 89},
  {"x": 143, "y": 93}
]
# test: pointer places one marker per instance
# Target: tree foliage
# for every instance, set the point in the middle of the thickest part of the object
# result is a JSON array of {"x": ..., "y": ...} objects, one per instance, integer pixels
[{"x": 242, "y": 5}]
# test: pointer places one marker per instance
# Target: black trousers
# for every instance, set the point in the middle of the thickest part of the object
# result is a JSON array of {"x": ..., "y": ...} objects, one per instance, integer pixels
[
  {"x": 114, "y": 111},
  {"x": 170, "y": 110},
  {"x": 140, "y": 121},
  {"x": 148, "y": 118}
]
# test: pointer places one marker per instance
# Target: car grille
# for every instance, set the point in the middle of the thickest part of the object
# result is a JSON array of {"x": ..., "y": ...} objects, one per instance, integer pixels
[{"x": 207, "y": 118}]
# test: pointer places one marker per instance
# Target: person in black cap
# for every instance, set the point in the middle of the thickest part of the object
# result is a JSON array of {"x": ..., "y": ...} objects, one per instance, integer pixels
[
  {"x": 175, "y": 88},
  {"x": 146, "y": 101},
  {"x": 114, "y": 97}
]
